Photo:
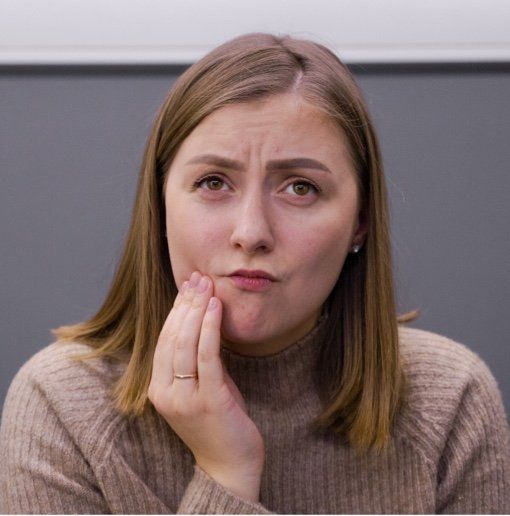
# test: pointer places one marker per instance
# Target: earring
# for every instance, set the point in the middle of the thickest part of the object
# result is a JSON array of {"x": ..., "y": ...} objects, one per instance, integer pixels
[{"x": 355, "y": 248}]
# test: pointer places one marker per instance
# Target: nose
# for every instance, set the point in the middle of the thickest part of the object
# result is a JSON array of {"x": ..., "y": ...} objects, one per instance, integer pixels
[{"x": 252, "y": 228}]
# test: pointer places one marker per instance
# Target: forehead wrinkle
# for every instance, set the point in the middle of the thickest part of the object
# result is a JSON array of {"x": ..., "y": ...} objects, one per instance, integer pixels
[
  {"x": 250, "y": 150},
  {"x": 219, "y": 161},
  {"x": 272, "y": 165}
]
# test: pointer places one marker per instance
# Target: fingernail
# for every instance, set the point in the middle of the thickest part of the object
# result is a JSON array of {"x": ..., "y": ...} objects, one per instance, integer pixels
[
  {"x": 213, "y": 303},
  {"x": 194, "y": 279},
  {"x": 204, "y": 283}
]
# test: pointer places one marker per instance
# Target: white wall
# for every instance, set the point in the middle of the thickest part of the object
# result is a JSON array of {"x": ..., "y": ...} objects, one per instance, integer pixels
[{"x": 181, "y": 31}]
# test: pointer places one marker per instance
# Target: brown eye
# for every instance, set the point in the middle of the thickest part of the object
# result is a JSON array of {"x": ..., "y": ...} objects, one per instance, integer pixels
[
  {"x": 301, "y": 188},
  {"x": 214, "y": 183}
]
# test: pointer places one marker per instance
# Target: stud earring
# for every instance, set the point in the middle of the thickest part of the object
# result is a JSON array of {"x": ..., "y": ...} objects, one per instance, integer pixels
[{"x": 355, "y": 248}]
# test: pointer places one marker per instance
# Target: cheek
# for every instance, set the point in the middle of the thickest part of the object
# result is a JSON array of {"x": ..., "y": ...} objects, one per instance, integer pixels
[
  {"x": 320, "y": 254},
  {"x": 321, "y": 241},
  {"x": 191, "y": 243}
]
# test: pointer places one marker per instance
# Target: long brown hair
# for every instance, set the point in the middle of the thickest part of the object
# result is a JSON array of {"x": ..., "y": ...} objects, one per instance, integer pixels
[{"x": 363, "y": 383}]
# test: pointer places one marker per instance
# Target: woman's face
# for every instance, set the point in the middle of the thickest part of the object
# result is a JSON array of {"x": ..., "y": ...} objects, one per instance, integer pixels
[{"x": 260, "y": 209}]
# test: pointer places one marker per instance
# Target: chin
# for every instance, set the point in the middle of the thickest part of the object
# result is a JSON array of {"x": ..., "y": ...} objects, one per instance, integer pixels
[
  {"x": 241, "y": 332},
  {"x": 241, "y": 328}
]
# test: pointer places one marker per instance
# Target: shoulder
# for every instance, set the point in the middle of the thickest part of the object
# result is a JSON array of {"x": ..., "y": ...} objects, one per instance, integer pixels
[
  {"x": 426, "y": 354},
  {"x": 437, "y": 365},
  {"x": 77, "y": 393},
  {"x": 56, "y": 370},
  {"x": 59, "y": 357},
  {"x": 446, "y": 382}
]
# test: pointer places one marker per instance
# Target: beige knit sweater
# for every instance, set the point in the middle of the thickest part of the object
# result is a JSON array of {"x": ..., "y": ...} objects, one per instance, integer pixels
[{"x": 64, "y": 449}]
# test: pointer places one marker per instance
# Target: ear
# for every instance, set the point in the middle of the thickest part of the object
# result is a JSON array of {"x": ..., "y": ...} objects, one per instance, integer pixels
[{"x": 361, "y": 229}]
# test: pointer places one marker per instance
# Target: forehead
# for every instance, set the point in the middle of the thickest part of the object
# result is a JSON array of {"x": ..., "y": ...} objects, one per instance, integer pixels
[{"x": 279, "y": 123}]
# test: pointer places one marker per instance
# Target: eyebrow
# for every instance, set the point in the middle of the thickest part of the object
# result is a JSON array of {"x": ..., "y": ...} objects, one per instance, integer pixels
[{"x": 282, "y": 164}]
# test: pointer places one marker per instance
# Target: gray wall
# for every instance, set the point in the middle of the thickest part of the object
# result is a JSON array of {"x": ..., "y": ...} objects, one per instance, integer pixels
[{"x": 71, "y": 141}]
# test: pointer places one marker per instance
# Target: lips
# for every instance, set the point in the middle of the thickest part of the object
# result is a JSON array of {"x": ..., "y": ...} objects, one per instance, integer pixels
[
  {"x": 252, "y": 280},
  {"x": 254, "y": 274}
]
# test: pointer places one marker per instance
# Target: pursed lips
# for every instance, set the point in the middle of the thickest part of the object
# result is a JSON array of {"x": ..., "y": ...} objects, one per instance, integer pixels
[
  {"x": 254, "y": 280},
  {"x": 255, "y": 273}
]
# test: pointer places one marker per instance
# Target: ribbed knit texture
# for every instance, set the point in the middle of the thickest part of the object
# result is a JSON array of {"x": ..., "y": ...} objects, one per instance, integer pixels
[{"x": 64, "y": 449}]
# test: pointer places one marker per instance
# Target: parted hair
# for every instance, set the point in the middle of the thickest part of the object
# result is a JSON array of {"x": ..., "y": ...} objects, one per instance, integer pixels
[{"x": 362, "y": 383}]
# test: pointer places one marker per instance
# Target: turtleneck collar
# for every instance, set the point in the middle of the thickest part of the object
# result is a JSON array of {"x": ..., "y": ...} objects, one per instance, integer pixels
[{"x": 277, "y": 380}]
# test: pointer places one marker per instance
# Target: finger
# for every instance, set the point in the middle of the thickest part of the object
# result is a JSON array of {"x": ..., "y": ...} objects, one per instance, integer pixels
[
  {"x": 210, "y": 367},
  {"x": 179, "y": 300},
  {"x": 186, "y": 343},
  {"x": 162, "y": 364}
]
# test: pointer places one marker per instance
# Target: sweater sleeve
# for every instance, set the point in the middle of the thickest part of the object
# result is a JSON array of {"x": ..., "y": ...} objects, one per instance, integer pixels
[
  {"x": 474, "y": 470},
  {"x": 41, "y": 468},
  {"x": 204, "y": 495}
]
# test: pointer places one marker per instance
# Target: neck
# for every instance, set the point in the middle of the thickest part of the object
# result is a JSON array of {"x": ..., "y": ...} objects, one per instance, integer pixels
[
  {"x": 279, "y": 379},
  {"x": 274, "y": 344}
]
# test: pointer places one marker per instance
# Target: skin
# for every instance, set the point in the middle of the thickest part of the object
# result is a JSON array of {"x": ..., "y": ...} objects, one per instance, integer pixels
[
  {"x": 258, "y": 220},
  {"x": 252, "y": 219}
]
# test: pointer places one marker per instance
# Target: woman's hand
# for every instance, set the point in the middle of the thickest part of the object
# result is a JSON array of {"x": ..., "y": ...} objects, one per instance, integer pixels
[{"x": 208, "y": 413}]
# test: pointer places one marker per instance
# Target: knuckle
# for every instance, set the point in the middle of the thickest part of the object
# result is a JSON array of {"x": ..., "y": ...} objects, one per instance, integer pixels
[
  {"x": 208, "y": 326},
  {"x": 204, "y": 354},
  {"x": 181, "y": 408},
  {"x": 167, "y": 333},
  {"x": 180, "y": 344},
  {"x": 171, "y": 334},
  {"x": 197, "y": 303}
]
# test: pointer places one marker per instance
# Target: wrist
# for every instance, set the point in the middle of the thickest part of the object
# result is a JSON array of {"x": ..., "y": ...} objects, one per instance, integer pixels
[{"x": 245, "y": 484}]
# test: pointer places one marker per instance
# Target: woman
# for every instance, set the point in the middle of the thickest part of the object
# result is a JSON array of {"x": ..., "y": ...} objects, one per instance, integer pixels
[{"x": 248, "y": 357}]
